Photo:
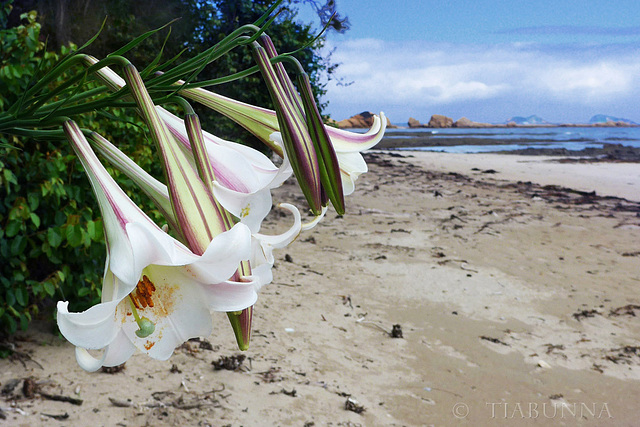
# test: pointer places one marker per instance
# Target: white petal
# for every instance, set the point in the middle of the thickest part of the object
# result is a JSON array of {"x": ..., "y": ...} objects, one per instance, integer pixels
[
  {"x": 119, "y": 351},
  {"x": 258, "y": 160},
  {"x": 263, "y": 245},
  {"x": 251, "y": 208},
  {"x": 348, "y": 183},
  {"x": 235, "y": 166},
  {"x": 113, "y": 289},
  {"x": 234, "y": 171},
  {"x": 116, "y": 207},
  {"x": 277, "y": 138},
  {"x": 94, "y": 328},
  {"x": 223, "y": 256},
  {"x": 347, "y": 141},
  {"x": 284, "y": 172},
  {"x": 88, "y": 362},
  {"x": 352, "y": 165},
  {"x": 233, "y": 296},
  {"x": 284, "y": 239},
  {"x": 263, "y": 275},
  {"x": 309, "y": 225},
  {"x": 151, "y": 245}
]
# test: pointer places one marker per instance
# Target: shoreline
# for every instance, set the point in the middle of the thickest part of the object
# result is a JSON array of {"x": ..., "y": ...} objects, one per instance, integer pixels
[{"x": 612, "y": 150}]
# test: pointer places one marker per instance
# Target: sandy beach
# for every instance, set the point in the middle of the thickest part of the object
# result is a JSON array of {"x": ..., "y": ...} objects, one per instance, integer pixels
[{"x": 514, "y": 287}]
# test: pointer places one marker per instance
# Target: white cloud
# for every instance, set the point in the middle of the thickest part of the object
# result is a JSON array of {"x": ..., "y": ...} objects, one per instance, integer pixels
[
  {"x": 590, "y": 81},
  {"x": 419, "y": 77}
]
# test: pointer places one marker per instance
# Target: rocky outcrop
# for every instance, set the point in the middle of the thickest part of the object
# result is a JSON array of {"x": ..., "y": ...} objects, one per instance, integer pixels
[
  {"x": 440, "y": 121},
  {"x": 466, "y": 123},
  {"x": 603, "y": 119},
  {"x": 532, "y": 120},
  {"x": 362, "y": 120},
  {"x": 614, "y": 124},
  {"x": 413, "y": 123}
]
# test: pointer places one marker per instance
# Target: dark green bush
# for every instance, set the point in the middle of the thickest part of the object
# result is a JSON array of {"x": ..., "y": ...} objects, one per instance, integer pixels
[{"x": 51, "y": 234}]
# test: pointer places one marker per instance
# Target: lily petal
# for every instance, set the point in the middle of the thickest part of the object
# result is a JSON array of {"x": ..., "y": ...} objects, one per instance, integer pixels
[
  {"x": 88, "y": 362},
  {"x": 251, "y": 208},
  {"x": 353, "y": 165},
  {"x": 198, "y": 214},
  {"x": 153, "y": 188},
  {"x": 119, "y": 351},
  {"x": 94, "y": 328},
  {"x": 262, "y": 259},
  {"x": 171, "y": 286}
]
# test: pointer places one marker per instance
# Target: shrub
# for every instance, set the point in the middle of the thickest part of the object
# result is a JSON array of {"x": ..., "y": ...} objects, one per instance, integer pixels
[{"x": 51, "y": 235}]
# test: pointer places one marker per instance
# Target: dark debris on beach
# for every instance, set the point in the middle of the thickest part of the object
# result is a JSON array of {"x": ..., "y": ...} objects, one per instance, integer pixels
[{"x": 608, "y": 153}]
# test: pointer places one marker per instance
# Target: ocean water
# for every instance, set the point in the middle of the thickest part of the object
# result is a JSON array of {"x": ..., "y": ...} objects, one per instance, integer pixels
[{"x": 453, "y": 140}]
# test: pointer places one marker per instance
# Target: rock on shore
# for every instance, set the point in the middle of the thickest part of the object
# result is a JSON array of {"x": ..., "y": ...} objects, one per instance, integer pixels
[
  {"x": 414, "y": 123},
  {"x": 362, "y": 120},
  {"x": 440, "y": 121},
  {"x": 466, "y": 123},
  {"x": 365, "y": 120}
]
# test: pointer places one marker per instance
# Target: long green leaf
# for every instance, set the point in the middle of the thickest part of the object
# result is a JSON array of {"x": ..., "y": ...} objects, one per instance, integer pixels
[
  {"x": 92, "y": 39},
  {"x": 269, "y": 11},
  {"x": 133, "y": 43},
  {"x": 149, "y": 68}
]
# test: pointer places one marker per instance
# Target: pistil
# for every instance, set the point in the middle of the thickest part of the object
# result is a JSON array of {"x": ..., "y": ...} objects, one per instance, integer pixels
[{"x": 146, "y": 327}]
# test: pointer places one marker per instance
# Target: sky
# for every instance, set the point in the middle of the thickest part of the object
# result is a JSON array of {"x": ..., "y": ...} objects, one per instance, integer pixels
[{"x": 562, "y": 60}]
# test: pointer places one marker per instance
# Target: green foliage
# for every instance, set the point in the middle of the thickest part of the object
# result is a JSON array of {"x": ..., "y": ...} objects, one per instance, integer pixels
[
  {"x": 18, "y": 61},
  {"x": 51, "y": 234}
]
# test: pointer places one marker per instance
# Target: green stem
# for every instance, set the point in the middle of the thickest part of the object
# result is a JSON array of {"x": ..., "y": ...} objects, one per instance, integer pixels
[{"x": 133, "y": 309}]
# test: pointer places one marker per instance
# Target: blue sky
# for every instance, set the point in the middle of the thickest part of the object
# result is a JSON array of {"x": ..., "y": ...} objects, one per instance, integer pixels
[{"x": 562, "y": 60}]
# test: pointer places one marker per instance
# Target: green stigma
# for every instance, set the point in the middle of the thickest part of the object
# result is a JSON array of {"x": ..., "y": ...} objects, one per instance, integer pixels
[{"x": 145, "y": 326}]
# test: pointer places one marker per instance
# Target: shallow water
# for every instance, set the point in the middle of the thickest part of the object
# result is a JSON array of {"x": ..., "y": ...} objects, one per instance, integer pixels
[{"x": 453, "y": 140}]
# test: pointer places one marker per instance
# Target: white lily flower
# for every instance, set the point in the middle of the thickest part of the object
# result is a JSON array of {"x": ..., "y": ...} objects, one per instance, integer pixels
[{"x": 156, "y": 292}]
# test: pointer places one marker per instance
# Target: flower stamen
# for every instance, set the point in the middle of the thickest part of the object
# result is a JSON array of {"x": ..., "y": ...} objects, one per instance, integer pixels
[{"x": 143, "y": 292}]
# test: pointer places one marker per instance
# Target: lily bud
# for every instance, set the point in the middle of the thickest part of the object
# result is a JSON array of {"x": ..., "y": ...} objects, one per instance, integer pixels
[
  {"x": 241, "y": 324},
  {"x": 327, "y": 159},
  {"x": 295, "y": 135}
]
